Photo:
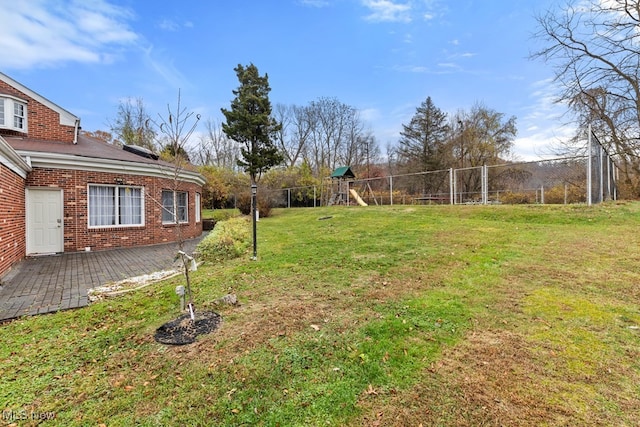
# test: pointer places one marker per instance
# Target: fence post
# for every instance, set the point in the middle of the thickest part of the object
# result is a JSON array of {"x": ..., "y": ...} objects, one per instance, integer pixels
[
  {"x": 601, "y": 195},
  {"x": 391, "y": 189},
  {"x": 484, "y": 181},
  {"x": 453, "y": 185},
  {"x": 589, "y": 167}
]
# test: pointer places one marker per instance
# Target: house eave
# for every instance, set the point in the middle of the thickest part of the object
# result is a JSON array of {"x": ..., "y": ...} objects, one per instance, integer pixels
[
  {"x": 65, "y": 161},
  {"x": 12, "y": 160}
]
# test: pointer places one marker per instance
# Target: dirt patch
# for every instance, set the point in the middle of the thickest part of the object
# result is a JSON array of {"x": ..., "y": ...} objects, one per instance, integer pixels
[{"x": 489, "y": 379}]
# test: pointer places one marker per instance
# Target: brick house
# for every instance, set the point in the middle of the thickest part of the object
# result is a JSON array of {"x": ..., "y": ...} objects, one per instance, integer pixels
[{"x": 61, "y": 191}]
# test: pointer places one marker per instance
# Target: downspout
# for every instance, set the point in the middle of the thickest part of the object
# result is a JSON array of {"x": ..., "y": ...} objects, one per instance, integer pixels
[{"x": 76, "y": 131}]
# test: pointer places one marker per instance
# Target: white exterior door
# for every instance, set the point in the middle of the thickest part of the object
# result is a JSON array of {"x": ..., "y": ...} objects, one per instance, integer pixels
[{"x": 45, "y": 231}]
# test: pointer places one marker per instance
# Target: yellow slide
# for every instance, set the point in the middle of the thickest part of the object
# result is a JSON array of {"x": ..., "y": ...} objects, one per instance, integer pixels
[{"x": 357, "y": 197}]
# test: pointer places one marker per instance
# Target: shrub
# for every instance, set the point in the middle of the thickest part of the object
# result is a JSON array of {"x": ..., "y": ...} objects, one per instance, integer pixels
[
  {"x": 244, "y": 205},
  {"x": 510, "y": 198},
  {"x": 557, "y": 194},
  {"x": 229, "y": 239},
  {"x": 264, "y": 207}
]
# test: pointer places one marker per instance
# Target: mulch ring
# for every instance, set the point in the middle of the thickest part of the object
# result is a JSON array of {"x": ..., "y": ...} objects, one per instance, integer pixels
[{"x": 183, "y": 330}]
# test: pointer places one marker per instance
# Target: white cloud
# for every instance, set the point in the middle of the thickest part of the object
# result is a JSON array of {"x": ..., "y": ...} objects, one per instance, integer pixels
[
  {"x": 543, "y": 124},
  {"x": 39, "y": 33},
  {"x": 411, "y": 68},
  {"x": 173, "y": 26},
  {"x": 387, "y": 11},
  {"x": 314, "y": 3},
  {"x": 169, "y": 25},
  {"x": 165, "y": 67},
  {"x": 370, "y": 115}
]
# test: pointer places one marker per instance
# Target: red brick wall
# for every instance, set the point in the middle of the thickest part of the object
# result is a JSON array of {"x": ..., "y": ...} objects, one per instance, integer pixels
[
  {"x": 78, "y": 235},
  {"x": 42, "y": 122},
  {"x": 12, "y": 219}
]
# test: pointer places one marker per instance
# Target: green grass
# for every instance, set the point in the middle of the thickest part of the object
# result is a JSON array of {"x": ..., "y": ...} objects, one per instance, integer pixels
[
  {"x": 450, "y": 315},
  {"x": 219, "y": 214}
]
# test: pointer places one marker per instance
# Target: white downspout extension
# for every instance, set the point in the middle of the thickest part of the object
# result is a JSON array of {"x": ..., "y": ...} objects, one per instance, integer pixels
[{"x": 76, "y": 131}]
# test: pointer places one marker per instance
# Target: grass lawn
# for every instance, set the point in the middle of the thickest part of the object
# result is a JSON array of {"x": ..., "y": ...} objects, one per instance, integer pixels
[
  {"x": 219, "y": 214},
  {"x": 377, "y": 316}
]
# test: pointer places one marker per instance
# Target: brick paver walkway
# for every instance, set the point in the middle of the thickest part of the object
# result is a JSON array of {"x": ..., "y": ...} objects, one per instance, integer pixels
[{"x": 46, "y": 284}]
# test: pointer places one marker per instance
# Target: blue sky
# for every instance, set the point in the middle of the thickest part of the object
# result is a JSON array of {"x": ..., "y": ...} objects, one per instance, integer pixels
[{"x": 383, "y": 57}]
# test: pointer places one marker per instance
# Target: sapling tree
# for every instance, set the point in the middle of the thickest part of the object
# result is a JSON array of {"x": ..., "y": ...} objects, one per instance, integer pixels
[{"x": 175, "y": 129}]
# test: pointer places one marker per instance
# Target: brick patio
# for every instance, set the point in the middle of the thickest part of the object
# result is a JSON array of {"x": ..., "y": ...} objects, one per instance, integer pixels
[{"x": 51, "y": 283}]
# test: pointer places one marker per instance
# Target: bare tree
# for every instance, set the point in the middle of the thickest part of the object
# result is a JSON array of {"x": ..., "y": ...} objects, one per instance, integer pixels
[
  {"x": 99, "y": 134},
  {"x": 175, "y": 129},
  {"x": 132, "y": 125},
  {"x": 335, "y": 127},
  {"x": 594, "y": 46},
  {"x": 214, "y": 148},
  {"x": 485, "y": 138},
  {"x": 366, "y": 153},
  {"x": 297, "y": 125}
]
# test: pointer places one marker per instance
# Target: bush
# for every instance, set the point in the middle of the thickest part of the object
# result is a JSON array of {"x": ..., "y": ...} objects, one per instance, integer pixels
[
  {"x": 557, "y": 194},
  {"x": 264, "y": 207},
  {"x": 229, "y": 239},
  {"x": 510, "y": 198},
  {"x": 244, "y": 205}
]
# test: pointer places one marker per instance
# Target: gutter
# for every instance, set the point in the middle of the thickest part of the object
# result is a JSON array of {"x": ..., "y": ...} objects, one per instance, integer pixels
[
  {"x": 67, "y": 161},
  {"x": 12, "y": 159}
]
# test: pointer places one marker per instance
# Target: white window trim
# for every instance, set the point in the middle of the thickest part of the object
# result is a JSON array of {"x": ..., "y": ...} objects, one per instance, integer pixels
[
  {"x": 173, "y": 221},
  {"x": 116, "y": 187},
  {"x": 9, "y": 108},
  {"x": 198, "y": 207}
]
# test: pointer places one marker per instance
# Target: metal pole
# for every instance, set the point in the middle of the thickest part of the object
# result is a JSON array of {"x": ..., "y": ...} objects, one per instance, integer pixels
[
  {"x": 451, "y": 192},
  {"x": 391, "y": 189},
  {"x": 314, "y": 196},
  {"x": 601, "y": 195},
  {"x": 609, "y": 189},
  {"x": 254, "y": 209},
  {"x": 483, "y": 176},
  {"x": 453, "y": 187},
  {"x": 589, "y": 167}
]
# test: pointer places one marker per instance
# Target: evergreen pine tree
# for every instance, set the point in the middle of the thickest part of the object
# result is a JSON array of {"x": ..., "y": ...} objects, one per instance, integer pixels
[{"x": 249, "y": 122}]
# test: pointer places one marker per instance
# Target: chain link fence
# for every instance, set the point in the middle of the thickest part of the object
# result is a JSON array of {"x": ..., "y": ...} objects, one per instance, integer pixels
[{"x": 583, "y": 179}]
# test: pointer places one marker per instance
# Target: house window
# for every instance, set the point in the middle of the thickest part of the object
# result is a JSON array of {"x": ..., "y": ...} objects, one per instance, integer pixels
[
  {"x": 198, "y": 207},
  {"x": 18, "y": 115},
  {"x": 172, "y": 201},
  {"x": 13, "y": 114},
  {"x": 115, "y": 206}
]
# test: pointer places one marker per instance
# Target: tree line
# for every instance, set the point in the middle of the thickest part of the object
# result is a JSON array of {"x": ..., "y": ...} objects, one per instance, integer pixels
[{"x": 308, "y": 142}]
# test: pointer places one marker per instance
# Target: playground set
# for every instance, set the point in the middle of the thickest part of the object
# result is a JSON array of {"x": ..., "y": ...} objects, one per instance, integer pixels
[{"x": 341, "y": 179}]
